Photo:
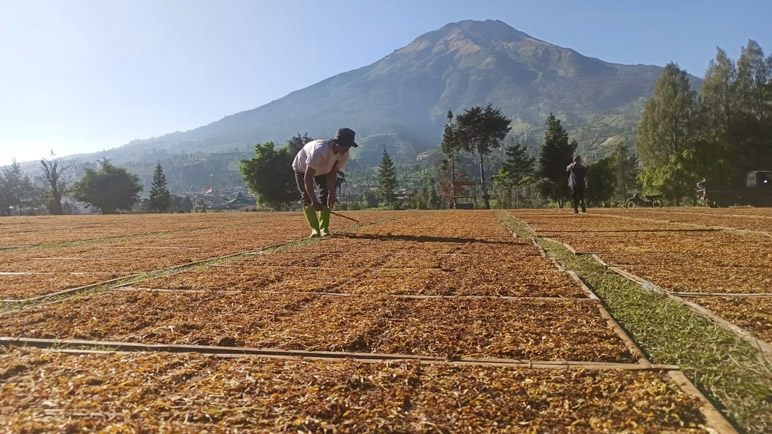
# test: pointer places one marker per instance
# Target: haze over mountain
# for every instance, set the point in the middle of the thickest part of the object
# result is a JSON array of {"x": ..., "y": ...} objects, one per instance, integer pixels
[{"x": 401, "y": 101}]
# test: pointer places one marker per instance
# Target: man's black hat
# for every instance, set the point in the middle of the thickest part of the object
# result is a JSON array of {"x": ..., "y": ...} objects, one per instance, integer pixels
[{"x": 345, "y": 137}]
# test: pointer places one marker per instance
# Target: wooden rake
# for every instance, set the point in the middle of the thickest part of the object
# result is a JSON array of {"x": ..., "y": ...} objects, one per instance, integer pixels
[{"x": 345, "y": 217}]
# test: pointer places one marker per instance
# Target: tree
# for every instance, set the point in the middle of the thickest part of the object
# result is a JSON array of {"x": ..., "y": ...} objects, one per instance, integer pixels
[
  {"x": 719, "y": 115},
  {"x": 668, "y": 124},
  {"x": 754, "y": 74},
  {"x": 446, "y": 183},
  {"x": 160, "y": 198},
  {"x": 625, "y": 172},
  {"x": 736, "y": 124},
  {"x": 667, "y": 136},
  {"x": 370, "y": 199},
  {"x": 517, "y": 169},
  {"x": 601, "y": 179},
  {"x": 296, "y": 143},
  {"x": 340, "y": 179},
  {"x": 435, "y": 202},
  {"x": 109, "y": 188},
  {"x": 753, "y": 125},
  {"x": 450, "y": 146},
  {"x": 269, "y": 176},
  {"x": 187, "y": 204},
  {"x": 674, "y": 179},
  {"x": 181, "y": 204},
  {"x": 18, "y": 189},
  {"x": 556, "y": 154},
  {"x": 387, "y": 180},
  {"x": 6, "y": 201},
  {"x": 717, "y": 100},
  {"x": 52, "y": 175},
  {"x": 480, "y": 130},
  {"x": 426, "y": 197}
]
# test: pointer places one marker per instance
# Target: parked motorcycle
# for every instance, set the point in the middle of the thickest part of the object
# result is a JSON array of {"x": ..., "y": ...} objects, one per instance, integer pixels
[{"x": 638, "y": 199}]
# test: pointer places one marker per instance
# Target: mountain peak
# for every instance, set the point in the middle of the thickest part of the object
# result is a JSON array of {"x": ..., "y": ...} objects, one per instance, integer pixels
[
  {"x": 466, "y": 36},
  {"x": 489, "y": 29}
]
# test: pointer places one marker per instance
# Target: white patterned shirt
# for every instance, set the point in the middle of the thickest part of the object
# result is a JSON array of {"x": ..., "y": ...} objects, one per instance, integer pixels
[{"x": 318, "y": 155}]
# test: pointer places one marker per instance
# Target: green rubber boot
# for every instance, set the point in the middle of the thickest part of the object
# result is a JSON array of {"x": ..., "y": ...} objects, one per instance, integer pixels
[
  {"x": 312, "y": 220},
  {"x": 324, "y": 222}
]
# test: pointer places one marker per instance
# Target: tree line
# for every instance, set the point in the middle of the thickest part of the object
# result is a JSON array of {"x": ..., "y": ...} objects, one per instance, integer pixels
[
  {"x": 717, "y": 134},
  {"x": 476, "y": 132},
  {"x": 109, "y": 188}
]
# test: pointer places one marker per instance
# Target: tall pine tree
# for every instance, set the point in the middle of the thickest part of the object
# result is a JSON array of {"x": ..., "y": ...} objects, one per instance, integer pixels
[
  {"x": 718, "y": 102},
  {"x": 16, "y": 188},
  {"x": 296, "y": 143},
  {"x": 753, "y": 127},
  {"x": 625, "y": 166},
  {"x": 668, "y": 136},
  {"x": 736, "y": 111},
  {"x": 387, "y": 181},
  {"x": 160, "y": 198},
  {"x": 754, "y": 74},
  {"x": 719, "y": 113},
  {"x": 450, "y": 147},
  {"x": 517, "y": 169},
  {"x": 556, "y": 154}
]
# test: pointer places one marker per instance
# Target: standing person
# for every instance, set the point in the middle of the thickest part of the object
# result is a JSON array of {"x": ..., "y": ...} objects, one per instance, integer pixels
[
  {"x": 318, "y": 162},
  {"x": 577, "y": 181}
]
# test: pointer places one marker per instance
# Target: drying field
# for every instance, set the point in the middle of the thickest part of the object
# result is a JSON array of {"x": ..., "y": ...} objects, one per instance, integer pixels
[
  {"x": 38, "y": 259},
  {"x": 720, "y": 259},
  {"x": 750, "y": 219},
  {"x": 406, "y": 322},
  {"x": 196, "y": 393}
]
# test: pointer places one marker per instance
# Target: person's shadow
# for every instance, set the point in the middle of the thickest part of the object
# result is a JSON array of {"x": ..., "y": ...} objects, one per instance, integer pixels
[{"x": 424, "y": 238}]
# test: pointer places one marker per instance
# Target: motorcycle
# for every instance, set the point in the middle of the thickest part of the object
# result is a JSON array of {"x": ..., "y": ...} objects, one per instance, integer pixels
[{"x": 638, "y": 199}]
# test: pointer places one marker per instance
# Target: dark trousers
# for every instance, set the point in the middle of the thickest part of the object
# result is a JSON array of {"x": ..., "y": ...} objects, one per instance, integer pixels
[
  {"x": 577, "y": 195},
  {"x": 321, "y": 182}
]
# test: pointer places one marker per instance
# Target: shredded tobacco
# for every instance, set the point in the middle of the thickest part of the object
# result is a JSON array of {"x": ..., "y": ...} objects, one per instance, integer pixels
[{"x": 195, "y": 393}]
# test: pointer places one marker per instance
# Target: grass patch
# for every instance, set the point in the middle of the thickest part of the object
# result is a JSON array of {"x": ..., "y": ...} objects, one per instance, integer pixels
[
  {"x": 7, "y": 307},
  {"x": 727, "y": 369},
  {"x": 519, "y": 227}
]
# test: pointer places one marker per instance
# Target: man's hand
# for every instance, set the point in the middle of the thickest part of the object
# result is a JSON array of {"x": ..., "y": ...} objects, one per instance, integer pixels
[
  {"x": 331, "y": 201},
  {"x": 317, "y": 206}
]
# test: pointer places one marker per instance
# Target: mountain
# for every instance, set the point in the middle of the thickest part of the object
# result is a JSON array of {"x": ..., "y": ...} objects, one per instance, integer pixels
[{"x": 401, "y": 101}]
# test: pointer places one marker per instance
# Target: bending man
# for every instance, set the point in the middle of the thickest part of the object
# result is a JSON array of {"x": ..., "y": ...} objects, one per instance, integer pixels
[{"x": 318, "y": 162}]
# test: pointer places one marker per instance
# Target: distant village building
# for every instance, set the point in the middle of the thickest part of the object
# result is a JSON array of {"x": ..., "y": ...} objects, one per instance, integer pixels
[
  {"x": 240, "y": 201},
  {"x": 71, "y": 206},
  {"x": 224, "y": 199}
]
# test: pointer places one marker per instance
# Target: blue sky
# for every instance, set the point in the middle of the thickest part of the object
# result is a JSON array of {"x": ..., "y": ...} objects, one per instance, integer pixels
[{"x": 81, "y": 76}]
